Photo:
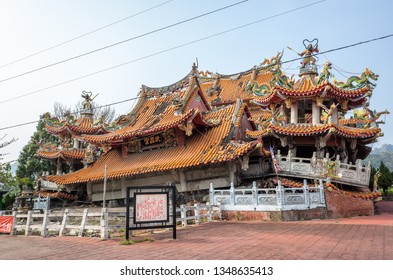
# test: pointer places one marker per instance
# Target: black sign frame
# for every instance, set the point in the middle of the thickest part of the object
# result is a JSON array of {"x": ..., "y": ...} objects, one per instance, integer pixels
[{"x": 170, "y": 191}]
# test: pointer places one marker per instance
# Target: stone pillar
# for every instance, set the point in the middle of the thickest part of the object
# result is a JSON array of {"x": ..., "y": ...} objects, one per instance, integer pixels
[
  {"x": 232, "y": 170},
  {"x": 334, "y": 117},
  {"x": 316, "y": 113},
  {"x": 123, "y": 189},
  {"x": 294, "y": 112},
  {"x": 89, "y": 191},
  {"x": 183, "y": 181},
  {"x": 76, "y": 143}
]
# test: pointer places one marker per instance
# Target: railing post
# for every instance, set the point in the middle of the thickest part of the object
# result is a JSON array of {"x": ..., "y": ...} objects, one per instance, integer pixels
[
  {"x": 232, "y": 194},
  {"x": 254, "y": 193},
  {"x": 13, "y": 229},
  {"x": 321, "y": 192},
  {"x": 305, "y": 191},
  {"x": 83, "y": 223},
  {"x": 289, "y": 161},
  {"x": 64, "y": 223},
  {"x": 279, "y": 194},
  {"x": 44, "y": 230},
  {"x": 183, "y": 215},
  {"x": 197, "y": 213},
  {"x": 104, "y": 223},
  {"x": 209, "y": 212},
  {"x": 28, "y": 222},
  {"x": 358, "y": 170},
  {"x": 211, "y": 193}
]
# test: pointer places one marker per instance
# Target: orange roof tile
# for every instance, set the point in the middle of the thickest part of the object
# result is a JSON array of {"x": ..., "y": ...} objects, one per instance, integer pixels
[
  {"x": 310, "y": 129},
  {"x": 361, "y": 195},
  {"x": 65, "y": 154},
  {"x": 83, "y": 125},
  {"x": 201, "y": 149}
]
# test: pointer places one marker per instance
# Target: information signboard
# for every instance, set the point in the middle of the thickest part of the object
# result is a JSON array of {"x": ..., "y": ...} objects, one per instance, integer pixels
[{"x": 150, "y": 208}]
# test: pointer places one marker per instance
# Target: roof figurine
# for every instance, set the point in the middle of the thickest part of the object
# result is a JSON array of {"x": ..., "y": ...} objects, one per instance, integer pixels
[
  {"x": 308, "y": 62},
  {"x": 87, "y": 103}
]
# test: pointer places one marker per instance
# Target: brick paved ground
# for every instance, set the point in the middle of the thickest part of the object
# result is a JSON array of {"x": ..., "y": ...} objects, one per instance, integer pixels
[{"x": 361, "y": 238}]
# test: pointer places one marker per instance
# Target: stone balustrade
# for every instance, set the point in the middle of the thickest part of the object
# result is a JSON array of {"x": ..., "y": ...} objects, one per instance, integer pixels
[
  {"x": 353, "y": 174},
  {"x": 269, "y": 199}
]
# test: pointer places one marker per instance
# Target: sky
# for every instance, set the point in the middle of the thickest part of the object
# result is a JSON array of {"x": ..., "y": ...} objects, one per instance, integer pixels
[{"x": 28, "y": 27}]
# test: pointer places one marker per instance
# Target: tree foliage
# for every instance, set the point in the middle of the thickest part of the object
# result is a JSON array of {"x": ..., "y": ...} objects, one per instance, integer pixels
[
  {"x": 7, "y": 181},
  {"x": 30, "y": 166}
]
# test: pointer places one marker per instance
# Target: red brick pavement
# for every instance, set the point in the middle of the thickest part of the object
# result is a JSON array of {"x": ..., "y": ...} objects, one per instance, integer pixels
[{"x": 361, "y": 238}]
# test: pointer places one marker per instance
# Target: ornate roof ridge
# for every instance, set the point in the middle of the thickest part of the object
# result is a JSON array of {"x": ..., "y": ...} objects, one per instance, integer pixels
[{"x": 168, "y": 88}]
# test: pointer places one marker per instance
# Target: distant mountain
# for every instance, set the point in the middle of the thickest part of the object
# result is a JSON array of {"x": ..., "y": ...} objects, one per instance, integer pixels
[{"x": 383, "y": 153}]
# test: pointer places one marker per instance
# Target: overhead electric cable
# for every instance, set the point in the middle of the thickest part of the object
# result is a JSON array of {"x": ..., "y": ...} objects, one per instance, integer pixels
[
  {"x": 160, "y": 52},
  {"x": 134, "y": 98},
  {"x": 85, "y": 34},
  {"x": 97, "y": 107},
  {"x": 121, "y": 42}
]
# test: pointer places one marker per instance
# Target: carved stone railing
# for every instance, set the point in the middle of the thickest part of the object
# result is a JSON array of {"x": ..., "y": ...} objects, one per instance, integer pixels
[
  {"x": 354, "y": 174},
  {"x": 269, "y": 199}
]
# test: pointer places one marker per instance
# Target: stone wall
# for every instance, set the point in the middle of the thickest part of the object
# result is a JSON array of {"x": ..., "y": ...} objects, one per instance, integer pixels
[
  {"x": 293, "y": 215},
  {"x": 340, "y": 205}
]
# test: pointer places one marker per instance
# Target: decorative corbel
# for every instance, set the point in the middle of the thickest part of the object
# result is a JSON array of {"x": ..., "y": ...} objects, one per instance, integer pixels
[{"x": 288, "y": 103}]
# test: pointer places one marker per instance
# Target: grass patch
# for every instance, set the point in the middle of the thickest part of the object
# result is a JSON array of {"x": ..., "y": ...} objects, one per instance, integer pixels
[{"x": 132, "y": 242}]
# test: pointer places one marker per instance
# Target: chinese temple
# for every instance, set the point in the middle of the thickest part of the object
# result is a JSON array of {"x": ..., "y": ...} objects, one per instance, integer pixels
[{"x": 210, "y": 129}]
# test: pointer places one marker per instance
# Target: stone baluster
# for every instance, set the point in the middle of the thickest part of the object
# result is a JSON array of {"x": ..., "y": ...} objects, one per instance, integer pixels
[
  {"x": 197, "y": 213},
  {"x": 232, "y": 194},
  {"x": 211, "y": 194},
  {"x": 306, "y": 194},
  {"x": 45, "y": 221},
  {"x": 254, "y": 193},
  {"x": 104, "y": 223},
  {"x": 321, "y": 192},
  {"x": 183, "y": 215},
  {"x": 289, "y": 161},
  {"x": 279, "y": 194}
]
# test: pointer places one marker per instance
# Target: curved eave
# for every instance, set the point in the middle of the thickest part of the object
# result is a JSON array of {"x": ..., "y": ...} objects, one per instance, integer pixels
[
  {"x": 311, "y": 130},
  {"x": 281, "y": 93},
  {"x": 226, "y": 154},
  {"x": 115, "y": 136},
  {"x": 76, "y": 129},
  {"x": 64, "y": 154}
]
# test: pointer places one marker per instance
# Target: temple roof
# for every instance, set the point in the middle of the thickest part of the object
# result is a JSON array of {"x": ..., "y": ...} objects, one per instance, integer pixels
[
  {"x": 317, "y": 129},
  {"x": 62, "y": 153},
  {"x": 84, "y": 125},
  {"x": 356, "y": 97},
  {"x": 203, "y": 148},
  {"x": 160, "y": 109}
]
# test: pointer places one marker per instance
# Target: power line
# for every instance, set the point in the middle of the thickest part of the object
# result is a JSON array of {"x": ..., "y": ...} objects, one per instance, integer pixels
[
  {"x": 85, "y": 34},
  {"x": 121, "y": 42},
  {"x": 97, "y": 107},
  {"x": 287, "y": 61},
  {"x": 160, "y": 52}
]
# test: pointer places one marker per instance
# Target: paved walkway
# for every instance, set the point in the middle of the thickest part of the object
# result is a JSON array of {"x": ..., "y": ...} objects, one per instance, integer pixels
[{"x": 361, "y": 238}]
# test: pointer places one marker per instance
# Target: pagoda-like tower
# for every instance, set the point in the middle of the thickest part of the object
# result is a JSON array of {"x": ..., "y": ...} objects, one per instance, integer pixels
[
  {"x": 70, "y": 153},
  {"x": 316, "y": 126}
]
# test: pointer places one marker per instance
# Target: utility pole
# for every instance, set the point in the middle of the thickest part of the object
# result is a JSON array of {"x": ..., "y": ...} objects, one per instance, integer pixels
[{"x": 104, "y": 193}]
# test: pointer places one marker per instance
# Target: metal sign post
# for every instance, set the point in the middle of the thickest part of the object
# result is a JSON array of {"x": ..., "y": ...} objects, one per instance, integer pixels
[{"x": 151, "y": 208}]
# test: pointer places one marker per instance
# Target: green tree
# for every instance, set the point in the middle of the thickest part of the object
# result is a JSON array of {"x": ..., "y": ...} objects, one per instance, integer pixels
[
  {"x": 386, "y": 179},
  {"x": 30, "y": 166},
  {"x": 7, "y": 181}
]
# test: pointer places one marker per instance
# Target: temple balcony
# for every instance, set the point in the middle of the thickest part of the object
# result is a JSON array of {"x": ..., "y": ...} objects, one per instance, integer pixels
[{"x": 356, "y": 174}]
